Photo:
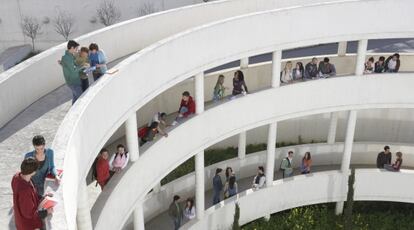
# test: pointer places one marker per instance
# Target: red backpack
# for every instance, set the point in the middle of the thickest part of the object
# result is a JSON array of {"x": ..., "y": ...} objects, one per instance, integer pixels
[{"x": 142, "y": 132}]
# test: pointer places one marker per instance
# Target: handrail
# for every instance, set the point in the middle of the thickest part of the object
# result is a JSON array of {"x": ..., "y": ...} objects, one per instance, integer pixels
[{"x": 259, "y": 40}]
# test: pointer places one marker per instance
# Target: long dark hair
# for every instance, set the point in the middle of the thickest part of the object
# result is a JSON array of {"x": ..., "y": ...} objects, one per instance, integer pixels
[
  {"x": 191, "y": 203},
  {"x": 307, "y": 154},
  {"x": 227, "y": 172},
  {"x": 240, "y": 75},
  {"x": 301, "y": 69},
  {"x": 232, "y": 181}
]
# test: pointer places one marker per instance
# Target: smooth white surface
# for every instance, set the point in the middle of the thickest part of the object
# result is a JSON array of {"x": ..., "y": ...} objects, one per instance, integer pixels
[
  {"x": 333, "y": 124},
  {"x": 200, "y": 194},
  {"x": 241, "y": 150},
  {"x": 260, "y": 40},
  {"x": 132, "y": 137},
  {"x": 283, "y": 195},
  {"x": 138, "y": 182},
  {"x": 271, "y": 153},
  {"x": 361, "y": 55},
  {"x": 139, "y": 218},
  {"x": 322, "y": 154}
]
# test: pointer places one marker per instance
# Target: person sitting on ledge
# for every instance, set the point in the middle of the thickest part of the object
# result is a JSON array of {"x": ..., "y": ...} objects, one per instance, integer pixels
[
  {"x": 119, "y": 160},
  {"x": 161, "y": 119},
  {"x": 384, "y": 157},
  {"x": 187, "y": 107},
  {"x": 311, "y": 69},
  {"x": 380, "y": 65},
  {"x": 392, "y": 64},
  {"x": 397, "y": 165},
  {"x": 326, "y": 69},
  {"x": 260, "y": 179},
  {"x": 369, "y": 66},
  {"x": 298, "y": 73},
  {"x": 239, "y": 85},
  {"x": 151, "y": 132}
]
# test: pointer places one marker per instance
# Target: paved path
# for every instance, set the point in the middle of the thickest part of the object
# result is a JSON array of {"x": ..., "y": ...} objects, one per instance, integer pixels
[{"x": 45, "y": 115}]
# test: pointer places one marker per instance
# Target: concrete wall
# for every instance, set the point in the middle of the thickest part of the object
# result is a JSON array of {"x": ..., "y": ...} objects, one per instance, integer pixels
[
  {"x": 322, "y": 154},
  {"x": 370, "y": 184}
]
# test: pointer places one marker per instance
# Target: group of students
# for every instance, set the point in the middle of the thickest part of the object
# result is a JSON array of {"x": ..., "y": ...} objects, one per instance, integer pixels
[
  {"x": 389, "y": 65},
  {"x": 77, "y": 64},
  {"x": 384, "y": 160},
  {"x": 178, "y": 214}
]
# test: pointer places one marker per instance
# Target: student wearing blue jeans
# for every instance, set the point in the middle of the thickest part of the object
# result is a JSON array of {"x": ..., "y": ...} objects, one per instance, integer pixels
[{"x": 71, "y": 71}]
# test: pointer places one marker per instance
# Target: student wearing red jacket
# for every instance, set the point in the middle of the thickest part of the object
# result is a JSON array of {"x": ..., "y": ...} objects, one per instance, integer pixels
[
  {"x": 187, "y": 107},
  {"x": 26, "y": 201},
  {"x": 102, "y": 168}
]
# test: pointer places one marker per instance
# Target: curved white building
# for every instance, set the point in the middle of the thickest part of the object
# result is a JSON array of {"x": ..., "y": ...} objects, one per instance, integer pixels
[{"x": 346, "y": 115}]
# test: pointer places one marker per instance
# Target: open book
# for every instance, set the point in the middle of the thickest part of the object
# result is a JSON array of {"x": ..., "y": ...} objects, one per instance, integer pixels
[{"x": 47, "y": 202}]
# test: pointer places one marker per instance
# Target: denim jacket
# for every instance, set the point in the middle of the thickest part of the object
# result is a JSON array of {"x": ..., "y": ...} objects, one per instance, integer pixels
[{"x": 48, "y": 167}]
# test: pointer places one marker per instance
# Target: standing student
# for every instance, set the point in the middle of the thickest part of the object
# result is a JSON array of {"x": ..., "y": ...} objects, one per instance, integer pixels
[
  {"x": 44, "y": 158},
  {"x": 119, "y": 160},
  {"x": 229, "y": 172},
  {"x": 217, "y": 186},
  {"x": 379, "y": 66},
  {"x": 97, "y": 59},
  {"x": 71, "y": 71},
  {"x": 298, "y": 73},
  {"x": 286, "y": 165},
  {"x": 175, "y": 212},
  {"x": 219, "y": 89},
  {"x": 189, "y": 210},
  {"x": 397, "y": 165},
  {"x": 305, "y": 167},
  {"x": 102, "y": 168},
  {"x": 311, "y": 69},
  {"x": 392, "y": 64},
  {"x": 82, "y": 61},
  {"x": 384, "y": 157},
  {"x": 26, "y": 200},
  {"x": 239, "y": 85},
  {"x": 230, "y": 188},
  {"x": 286, "y": 74},
  {"x": 260, "y": 178},
  {"x": 187, "y": 107}
]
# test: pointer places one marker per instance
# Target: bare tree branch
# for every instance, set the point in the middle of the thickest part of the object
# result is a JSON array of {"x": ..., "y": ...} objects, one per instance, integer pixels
[
  {"x": 31, "y": 28},
  {"x": 108, "y": 13},
  {"x": 146, "y": 8},
  {"x": 64, "y": 23}
]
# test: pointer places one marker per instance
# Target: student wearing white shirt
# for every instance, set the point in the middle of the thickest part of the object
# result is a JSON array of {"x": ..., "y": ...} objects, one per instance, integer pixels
[
  {"x": 160, "y": 118},
  {"x": 260, "y": 179},
  {"x": 119, "y": 160},
  {"x": 189, "y": 210}
]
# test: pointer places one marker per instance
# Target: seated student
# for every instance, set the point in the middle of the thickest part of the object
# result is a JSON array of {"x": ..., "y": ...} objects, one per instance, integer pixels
[
  {"x": 160, "y": 118},
  {"x": 380, "y": 65},
  {"x": 82, "y": 61},
  {"x": 151, "y": 132},
  {"x": 369, "y": 66},
  {"x": 392, "y": 64},
  {"x": 260, "y": 179},
  {"x": 384, "y": 157},
  {"x": 326, "y": 69},
  {"x": 397, "y": 165},
  {"x": 219, "y": 89},
  {"x": 286, "y": 74},
  {"x": 298, "y": 73},
  {"x": 97, "y": 58},
  {"x": 119, "y": 160},
  {"x": 25, "y": 198},
  {"x": 286, "y": 165},
  {"x": 187, "y": 107},
  {"x": 311, "y": 69},
  {"x": 305, "y": 168},
  {"x": 230, "y": 188},
  {"x": 102, "y": 168},
  {"x": 239, "y": 85}
]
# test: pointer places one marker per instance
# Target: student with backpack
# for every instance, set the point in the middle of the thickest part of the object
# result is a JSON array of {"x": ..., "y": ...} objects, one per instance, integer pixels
[
  {"x": 150, "y": 133},
  {"x": 101, "y": 169},
  {"x": 286, "y": 165},
  {"x": 119, "y": 160}
]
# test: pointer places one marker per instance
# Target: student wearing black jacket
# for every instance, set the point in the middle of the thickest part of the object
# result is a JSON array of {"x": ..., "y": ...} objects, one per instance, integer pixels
[{"x": 384, "y": 158}]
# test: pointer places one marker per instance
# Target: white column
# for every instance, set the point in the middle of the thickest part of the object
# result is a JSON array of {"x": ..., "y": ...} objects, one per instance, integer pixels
[
  {"x": 199, "y": 168},
  {"x": 270, "y": 158},
  {"x": 139, "y": 223},
  {"x": 244, "y": 63},
  {"x": 332, "y": 128},
  {"x": 276, "y": 63},
  {"x": 242, "y": 145},
  {"x": 199, "y": 92},
  {"x": 362, "y": 52},
  {"x": 346, "y": 157},
  {"x": 157, "y": 187},
  {"x": 83, "y": 214},
  {"x": 342, "y": 48},
  {"x": 131, "y": 130}
]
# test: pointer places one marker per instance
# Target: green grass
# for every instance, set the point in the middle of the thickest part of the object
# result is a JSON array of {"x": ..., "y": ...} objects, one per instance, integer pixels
[{"x": 366, "y": 216}]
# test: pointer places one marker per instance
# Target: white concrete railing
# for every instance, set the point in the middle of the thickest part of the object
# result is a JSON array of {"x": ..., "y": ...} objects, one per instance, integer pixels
[
  {"x": 323, "y": 187},
  {"x": 380, "y": 185},
  {"x": 314, "y": 188},
  {"x": 260, "y": 40},
  {"x": 135, "y": 180},
  {"x": 38, "y": 76},
  {"x": 363, "y": 153}
]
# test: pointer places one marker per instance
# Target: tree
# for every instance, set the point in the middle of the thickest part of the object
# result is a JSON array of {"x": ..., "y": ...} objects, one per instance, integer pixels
[
  {"x": 108, "y": 13},
  {"x": 236, "y": 225},
  {"x": 31, "y": 28},
  {"x": 146, "y": 8},
  {"x": 64, "y": 23}
]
